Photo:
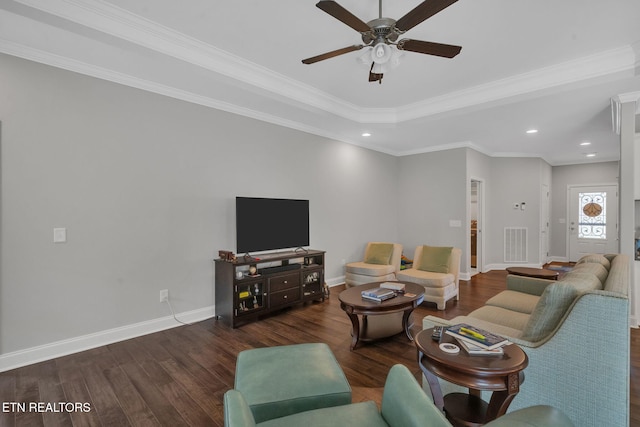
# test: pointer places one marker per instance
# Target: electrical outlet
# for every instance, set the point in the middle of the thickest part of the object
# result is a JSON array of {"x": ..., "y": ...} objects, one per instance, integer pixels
[{"x": 164, "y": 295}]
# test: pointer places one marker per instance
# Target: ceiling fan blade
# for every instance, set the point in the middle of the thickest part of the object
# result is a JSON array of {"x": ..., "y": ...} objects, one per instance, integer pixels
[
  {"x": 375, "y": 77},
  {"x": 343, "y": 15},
  {"x": 429, "y": 48},
  {"x": 333, "y": 53},
  {"x": 424, "y": 10}
]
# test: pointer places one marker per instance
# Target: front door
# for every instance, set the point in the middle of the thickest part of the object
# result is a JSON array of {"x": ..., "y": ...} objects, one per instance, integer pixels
[{"x": 593, "y": 220}]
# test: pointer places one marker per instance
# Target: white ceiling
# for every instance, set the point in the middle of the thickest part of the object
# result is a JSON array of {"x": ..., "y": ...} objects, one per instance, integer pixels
[{"x": 550, "y": 65}]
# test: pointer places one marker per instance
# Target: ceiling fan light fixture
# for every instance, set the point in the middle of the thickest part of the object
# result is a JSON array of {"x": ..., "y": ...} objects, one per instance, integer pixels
[
  {"x": 365, "y": 58},
  {"x": 381, "y": 53}
]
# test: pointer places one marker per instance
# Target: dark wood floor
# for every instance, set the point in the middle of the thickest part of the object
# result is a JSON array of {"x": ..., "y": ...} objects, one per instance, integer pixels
[{"x": 178, "y": 377}]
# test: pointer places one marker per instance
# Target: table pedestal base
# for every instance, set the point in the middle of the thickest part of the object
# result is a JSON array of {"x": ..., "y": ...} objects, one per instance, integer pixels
[{"x": 465, "y": 410}]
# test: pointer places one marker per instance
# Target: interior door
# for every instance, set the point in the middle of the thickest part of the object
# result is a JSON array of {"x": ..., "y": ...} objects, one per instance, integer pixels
[{"x": 593, "y": 220}]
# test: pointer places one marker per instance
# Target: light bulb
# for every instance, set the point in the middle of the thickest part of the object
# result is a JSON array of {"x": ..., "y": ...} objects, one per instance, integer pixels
[{"x": 381, "y": 53}]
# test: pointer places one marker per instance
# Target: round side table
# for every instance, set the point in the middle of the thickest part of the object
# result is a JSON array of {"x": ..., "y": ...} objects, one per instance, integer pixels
[{"x": 500, "y": 374}]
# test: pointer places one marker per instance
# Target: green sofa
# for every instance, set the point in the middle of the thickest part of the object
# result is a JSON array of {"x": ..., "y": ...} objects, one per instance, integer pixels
[
  {"x": 404, "y": 404},
  {"x": 575, "y": 332}
]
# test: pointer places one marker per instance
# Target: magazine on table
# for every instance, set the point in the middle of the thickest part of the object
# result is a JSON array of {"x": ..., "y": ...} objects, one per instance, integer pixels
[
  {"x": 477, "y": 336},
  {"x": 475, "y": 350}
]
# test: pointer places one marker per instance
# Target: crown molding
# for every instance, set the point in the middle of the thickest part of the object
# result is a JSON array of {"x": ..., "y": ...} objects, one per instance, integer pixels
[
  {"x": 616, "y": 104},
  {"x": 118, "y": 22},
  {"x": 592, "y": 66}
]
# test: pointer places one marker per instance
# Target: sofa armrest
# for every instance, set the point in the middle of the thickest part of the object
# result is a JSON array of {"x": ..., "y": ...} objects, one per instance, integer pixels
[
  {"x": 237, "y": 412},
  {"x": 528, "y": 285},
  {"x": 535, "y": 416},
  {"x": 404, "y": 403}
]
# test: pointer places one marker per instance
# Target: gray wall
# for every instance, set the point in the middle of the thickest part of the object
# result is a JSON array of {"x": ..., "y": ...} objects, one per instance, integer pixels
[
  {"x": 514, "y": 180},
  {"x": 563, "y": 176},
  {"x": 432, "y": 190},
  {"x": 145, "y": 186}
]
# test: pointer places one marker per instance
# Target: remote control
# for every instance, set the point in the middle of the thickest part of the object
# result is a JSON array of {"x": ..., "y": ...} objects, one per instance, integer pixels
[{"x": 437, "y": 333}]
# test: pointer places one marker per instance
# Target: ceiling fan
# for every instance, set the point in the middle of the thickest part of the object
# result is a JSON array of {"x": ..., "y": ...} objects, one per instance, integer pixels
[{"x": 382, "y": 34}]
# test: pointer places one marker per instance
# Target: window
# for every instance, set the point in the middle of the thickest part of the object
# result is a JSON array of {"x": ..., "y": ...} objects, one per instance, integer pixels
[{"x": 592, "y": 219}]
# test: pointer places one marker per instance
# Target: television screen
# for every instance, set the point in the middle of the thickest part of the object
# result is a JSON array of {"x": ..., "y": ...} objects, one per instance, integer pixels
[{"x": 264, "y": 224}]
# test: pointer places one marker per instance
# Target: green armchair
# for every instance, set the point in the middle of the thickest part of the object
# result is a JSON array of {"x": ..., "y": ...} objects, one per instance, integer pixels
[{"x": 404, "y": 404}]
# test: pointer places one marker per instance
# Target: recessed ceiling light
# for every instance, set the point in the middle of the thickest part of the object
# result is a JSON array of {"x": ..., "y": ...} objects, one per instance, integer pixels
[
  {"x": 366, "y": 134},
  {"x": 585, "y": 143},
  {"x": 591, "y": 154},
  {"x": 532, "y": 131}
]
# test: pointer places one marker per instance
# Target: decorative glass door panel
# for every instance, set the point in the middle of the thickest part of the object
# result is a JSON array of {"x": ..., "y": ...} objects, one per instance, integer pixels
[{"x": 592, "y": 215}]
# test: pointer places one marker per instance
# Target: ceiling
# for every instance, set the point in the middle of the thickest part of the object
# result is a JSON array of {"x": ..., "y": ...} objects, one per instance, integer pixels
[{"x": 553, "y": 66}]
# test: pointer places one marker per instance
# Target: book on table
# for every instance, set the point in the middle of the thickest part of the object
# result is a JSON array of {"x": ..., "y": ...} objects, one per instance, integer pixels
[
  {"x": 378, "y": 294},
  {"x": 394, "y": 286},
  {"x": 474, "y": 350},
  {"x": 476, "y": 336}
]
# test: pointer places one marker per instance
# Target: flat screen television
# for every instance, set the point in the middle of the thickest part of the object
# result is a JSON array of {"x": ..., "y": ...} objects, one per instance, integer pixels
[{"x": 264, "y": 224}]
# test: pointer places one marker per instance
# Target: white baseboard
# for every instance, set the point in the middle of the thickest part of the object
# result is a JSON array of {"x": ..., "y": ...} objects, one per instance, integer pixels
[
  {"x": 558, "y": 259},
  {"x": 490, "y": 267},
  {"x": 335, "y": 281},
  {"x": 466, "y": 276},
  {"x": 49, "y": 351}
]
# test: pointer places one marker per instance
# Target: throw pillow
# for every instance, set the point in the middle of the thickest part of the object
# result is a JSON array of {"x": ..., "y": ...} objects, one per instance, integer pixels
[
  {"x": 435, "y": 259},
  {"x": 553, "y": 304},
  {"x": 379, "y": 253}
]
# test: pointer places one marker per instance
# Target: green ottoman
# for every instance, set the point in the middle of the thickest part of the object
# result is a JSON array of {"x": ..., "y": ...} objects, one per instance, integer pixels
[{"x": 280, "y": 381}]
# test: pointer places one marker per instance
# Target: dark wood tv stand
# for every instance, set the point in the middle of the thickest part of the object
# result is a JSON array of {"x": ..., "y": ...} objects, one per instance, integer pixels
[{"x": 283, "y": 279}]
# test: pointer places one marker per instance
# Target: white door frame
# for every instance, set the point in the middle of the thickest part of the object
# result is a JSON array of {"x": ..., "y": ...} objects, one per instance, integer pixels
[
  {"x": 545, "y": 219},
  {"x": 481, "y": 219}
]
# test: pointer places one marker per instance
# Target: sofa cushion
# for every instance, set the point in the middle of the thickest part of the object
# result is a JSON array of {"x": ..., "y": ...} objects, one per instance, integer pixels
[
  {"x": 369, "y": 269},
  {"x": 351, "y": 279},
  {"x": 553, "y": 305},
  {"x": 515, "y": 301},
  {"x": 435, "y": 259},
  {"x": 308, "y": 377},
  {"x": 355, "y": 414},
  {"x": 427, "y": 279},
  {"x": 618, "y": 279},
  {"x": 501, "y": 316},
  {"x": 496, "y": 328},
  {"x": 582, "y": 282},
  {"x": 595, "y": 258},
  {"x": 538, "y": 415},
  {"x": 597, "y": 270},
  {"x": 379, "y": 253}
]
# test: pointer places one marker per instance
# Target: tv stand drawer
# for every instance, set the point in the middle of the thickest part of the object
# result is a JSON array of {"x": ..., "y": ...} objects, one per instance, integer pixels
[
  {"x": 281, "y": 283},
  {"x": 285, "y": 297}
]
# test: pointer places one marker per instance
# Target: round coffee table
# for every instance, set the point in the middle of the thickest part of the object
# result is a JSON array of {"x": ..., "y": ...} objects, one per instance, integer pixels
[
  {"x": 500, "y": 374},
  {"x": 353, "y": 304}
]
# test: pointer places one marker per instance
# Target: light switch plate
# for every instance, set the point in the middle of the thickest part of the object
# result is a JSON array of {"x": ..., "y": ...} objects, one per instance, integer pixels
[{"x": 59, "y": 235}]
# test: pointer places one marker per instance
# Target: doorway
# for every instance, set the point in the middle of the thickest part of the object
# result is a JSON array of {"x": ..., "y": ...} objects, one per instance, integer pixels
[
  {"x": 593, "y": 220},
  {"x": 476, "y": 212}
]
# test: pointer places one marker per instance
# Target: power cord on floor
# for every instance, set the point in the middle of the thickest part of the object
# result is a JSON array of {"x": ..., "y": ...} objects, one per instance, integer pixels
[{"x": 174, "y": 314}]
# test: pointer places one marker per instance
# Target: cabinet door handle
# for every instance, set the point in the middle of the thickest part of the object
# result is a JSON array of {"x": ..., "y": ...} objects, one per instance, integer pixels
[
  {"x": 286, "y": 296},
  {"x": 286, "y": 281}
]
